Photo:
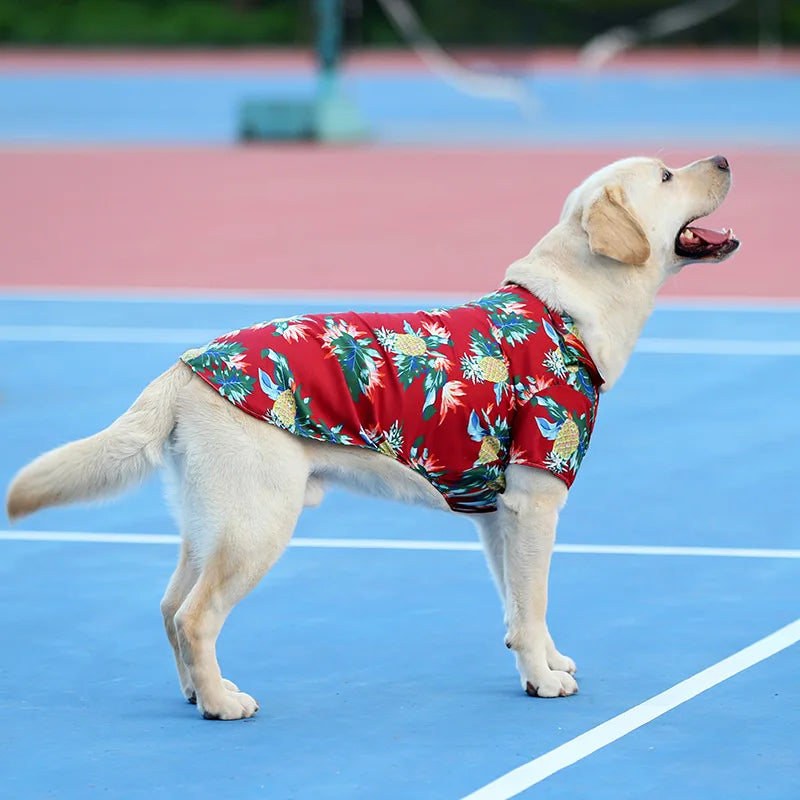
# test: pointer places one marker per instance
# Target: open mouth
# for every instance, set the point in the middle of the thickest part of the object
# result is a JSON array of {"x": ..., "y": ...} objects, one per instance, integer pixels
[{"x": 700, "y": 244}]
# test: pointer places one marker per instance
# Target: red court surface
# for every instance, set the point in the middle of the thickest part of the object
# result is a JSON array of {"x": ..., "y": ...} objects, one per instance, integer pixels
[
  {"x": 346, "y": 220},
  {"x": 673, "y": 58}
]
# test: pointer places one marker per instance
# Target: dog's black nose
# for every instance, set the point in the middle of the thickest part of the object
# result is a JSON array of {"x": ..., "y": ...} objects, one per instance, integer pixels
[{"x": 721, "y": 162}]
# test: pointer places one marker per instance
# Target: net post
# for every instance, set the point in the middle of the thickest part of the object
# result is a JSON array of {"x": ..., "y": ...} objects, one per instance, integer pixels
[
  {"x": 769, "y": 28},
  {"x": 329, "y": 115},
  {"x": 337, "y": 118}
]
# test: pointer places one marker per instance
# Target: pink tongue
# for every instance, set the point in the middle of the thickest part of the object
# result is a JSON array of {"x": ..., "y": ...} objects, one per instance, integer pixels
[{"x": 711, "y": 237}]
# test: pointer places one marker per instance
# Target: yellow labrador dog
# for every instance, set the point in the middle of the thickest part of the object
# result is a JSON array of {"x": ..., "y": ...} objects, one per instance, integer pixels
[{"x": 621, "y": 234}]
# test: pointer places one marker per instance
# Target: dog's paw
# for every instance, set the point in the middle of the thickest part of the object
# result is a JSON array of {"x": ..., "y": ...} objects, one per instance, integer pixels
[
  {"x": 552, "y": 683},
  {"x": 231, "y": 705},
  {"x": 561, "y": 663},
  {"x": 190, "y": 694},
  {"x": 187, "y": 687}
]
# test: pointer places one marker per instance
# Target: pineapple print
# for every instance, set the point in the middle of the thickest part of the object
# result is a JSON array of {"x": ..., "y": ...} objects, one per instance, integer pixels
[
  {"x": 490, "y": 450},
  {"x": 498, "y": 484},
  {"x": 486, "y": 363},
  {"x": 410, "y": 344},
  {"x": 566, "y": 442},
  {"x": 389, "y": 442},
  {"x": 387, "y": 449},
  {"x": 419, "y": 354},
  {"x": 195, "y": 352},
  {"x": 568, "y": 432},
  {"x": 285, "y": 408},
  {"x": 493, "y": 369},
  {"x": 280, "y": 388},
  {"x": 493, "y": 437}
]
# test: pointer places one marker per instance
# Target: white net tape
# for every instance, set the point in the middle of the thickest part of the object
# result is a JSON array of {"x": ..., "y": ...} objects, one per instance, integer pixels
[
  {"x": 479, "y": 84},
  {"x": 603, "y": 48}
]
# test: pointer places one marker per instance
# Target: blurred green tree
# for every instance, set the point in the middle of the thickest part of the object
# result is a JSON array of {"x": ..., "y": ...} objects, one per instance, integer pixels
[{"x": 537, "y": 23}]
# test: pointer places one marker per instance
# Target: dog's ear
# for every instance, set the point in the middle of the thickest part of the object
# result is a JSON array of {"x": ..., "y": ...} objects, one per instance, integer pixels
[{"x": 613, "y": 228}]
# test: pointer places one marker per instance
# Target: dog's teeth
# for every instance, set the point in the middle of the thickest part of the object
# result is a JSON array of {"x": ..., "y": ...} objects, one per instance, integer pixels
[{"x": 687, "y": 234}]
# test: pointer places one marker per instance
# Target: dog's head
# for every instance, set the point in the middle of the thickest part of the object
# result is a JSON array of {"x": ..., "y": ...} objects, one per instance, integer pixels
[{"x": 639, "y": 211}]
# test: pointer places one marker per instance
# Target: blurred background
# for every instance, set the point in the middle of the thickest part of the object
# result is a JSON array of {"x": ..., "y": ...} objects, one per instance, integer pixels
[
  {"x": 518, "y": 23},
  {"x": 373, "y": 145},
  {"x": 172, "y": 169}
]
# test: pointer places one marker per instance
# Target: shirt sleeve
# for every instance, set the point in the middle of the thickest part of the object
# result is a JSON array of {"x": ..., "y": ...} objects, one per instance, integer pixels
[{"x": 552, "y": 427}]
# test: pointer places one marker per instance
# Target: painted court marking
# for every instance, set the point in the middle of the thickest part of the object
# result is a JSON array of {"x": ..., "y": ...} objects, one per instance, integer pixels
[
  {"x": 409, "y": 544},
  {"x": 194, "y": 296},
  {"x": 127, "y": 335},
  {"x": 102, "y": 335},
  {"x": 718, "y": 347},
  {"x": 535, "y": 771},
  {"x": 190, "y": 295}
]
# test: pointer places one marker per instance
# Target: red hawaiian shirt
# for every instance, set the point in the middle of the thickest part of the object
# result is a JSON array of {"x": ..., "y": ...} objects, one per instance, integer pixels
[{"x": 456, "y": 394}]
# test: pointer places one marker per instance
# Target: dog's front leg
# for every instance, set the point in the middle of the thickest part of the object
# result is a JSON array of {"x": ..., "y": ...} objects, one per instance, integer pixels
[
  {"x": 493, "y": 530},
  {"x": 528, "y": 516},
  {"x": 493, "y": 539}
]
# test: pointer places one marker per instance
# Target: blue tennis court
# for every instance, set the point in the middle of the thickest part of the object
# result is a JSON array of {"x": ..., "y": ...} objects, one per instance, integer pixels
[
  {"x": 651, "y": 107},
  {"x": 375, "y": 646}
]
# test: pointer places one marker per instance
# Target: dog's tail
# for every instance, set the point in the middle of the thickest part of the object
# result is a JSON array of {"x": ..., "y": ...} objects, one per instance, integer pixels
[{"x": 108, "y": 462}]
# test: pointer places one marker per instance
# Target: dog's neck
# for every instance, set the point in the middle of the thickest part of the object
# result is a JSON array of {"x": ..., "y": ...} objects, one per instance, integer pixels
[{"x": 610, "y": 303}]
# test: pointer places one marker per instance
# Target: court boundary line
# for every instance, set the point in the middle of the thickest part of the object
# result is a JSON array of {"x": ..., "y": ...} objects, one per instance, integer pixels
[
  {"x": 538, "y": 769},
  {"x": 80, "y": 334},
  {"x": 411, "y": 544},
  {"x": 189, "y": 296}
]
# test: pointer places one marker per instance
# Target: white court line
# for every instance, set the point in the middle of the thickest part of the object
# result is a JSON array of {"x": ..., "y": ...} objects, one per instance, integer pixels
[
  {"x": 410, "y": 544},
  {"x": 734, "y": 305},
  {"x": 719, "y": 347},
  {"x": 535, "y": 771},
  {"x": 666, "y": 550},
  {"x": 184, "y": 336},
  {"x": 69, "y": 536},
  {"x": 103, "y": 335},
  {"x": 234, "y": 296},
  {"x": 189, "y": 296}
]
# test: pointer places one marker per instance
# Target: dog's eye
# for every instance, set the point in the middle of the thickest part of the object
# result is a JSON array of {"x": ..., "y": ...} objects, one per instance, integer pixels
[{"x": 666, "y": 175}]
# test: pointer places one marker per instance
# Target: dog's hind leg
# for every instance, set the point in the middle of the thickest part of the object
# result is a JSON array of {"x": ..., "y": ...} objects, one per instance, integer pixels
[
  {"x": 247, "y": 546},
  {"x": 187, "y": 571},
  {"x": 180, "y": 584},
  {"x": 243, "y": 483}
]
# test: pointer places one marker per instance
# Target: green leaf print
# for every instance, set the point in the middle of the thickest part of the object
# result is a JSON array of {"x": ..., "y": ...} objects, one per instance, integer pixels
[
  {"x": 508, "y": 316},
  {"x": 513, "y": 328},
  {"x": 232, "y": 383},
  {"x": 216, "y": 355},
  {"x": 360, "y": 363}
]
